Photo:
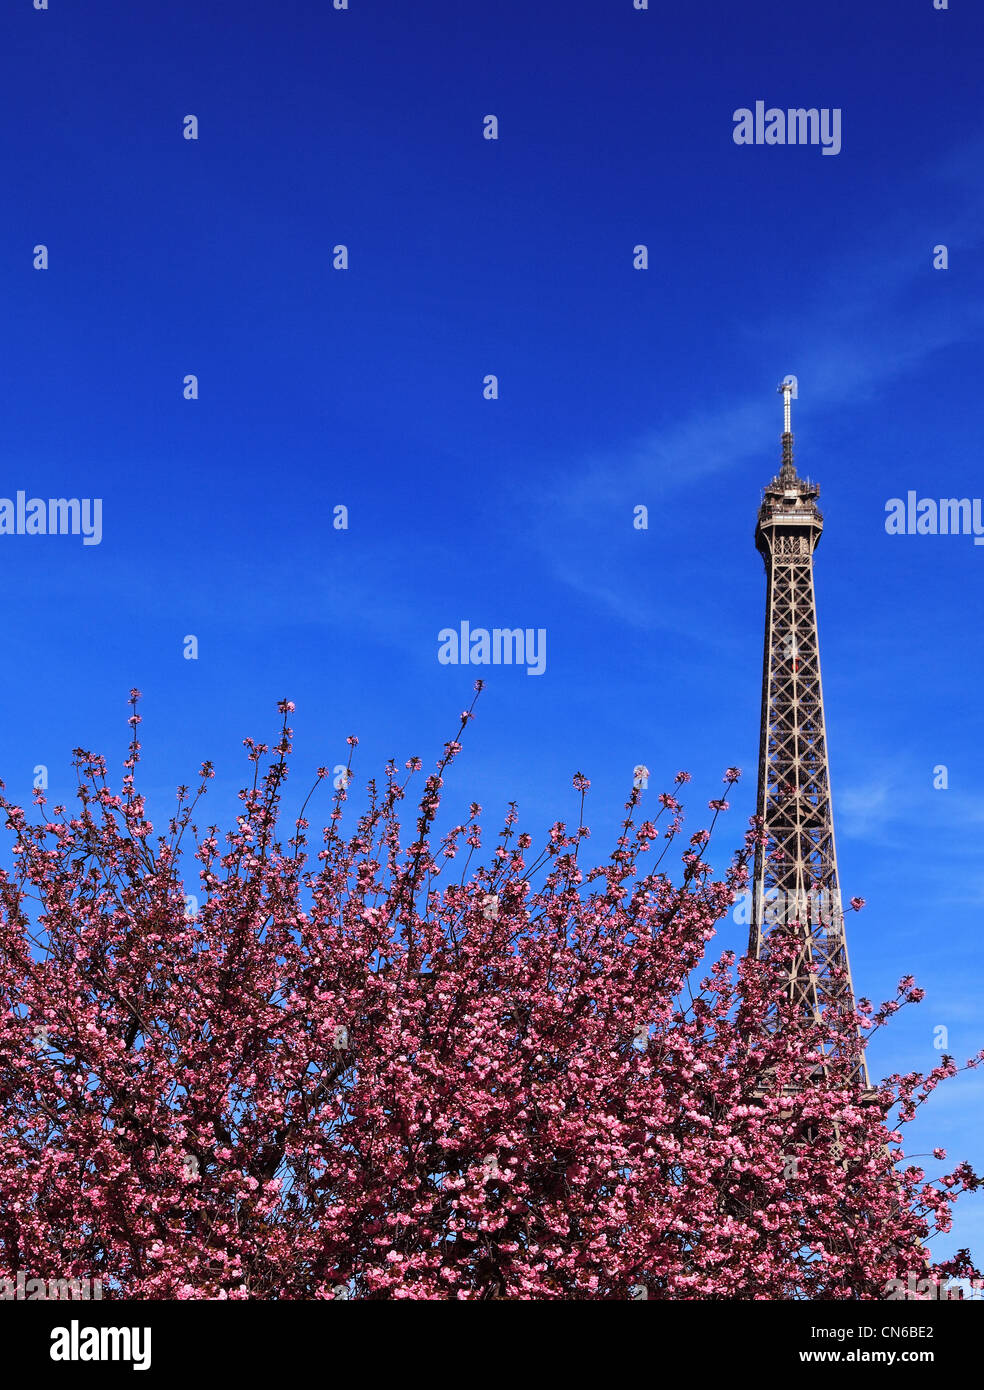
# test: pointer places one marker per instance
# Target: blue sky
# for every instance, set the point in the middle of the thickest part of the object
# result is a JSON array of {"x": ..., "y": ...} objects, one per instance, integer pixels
[{"x": 618, "y": 387}]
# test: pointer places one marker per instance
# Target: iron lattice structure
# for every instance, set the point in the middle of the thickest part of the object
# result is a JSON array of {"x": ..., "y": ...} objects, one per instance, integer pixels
[{"x": 796, "y": 888}]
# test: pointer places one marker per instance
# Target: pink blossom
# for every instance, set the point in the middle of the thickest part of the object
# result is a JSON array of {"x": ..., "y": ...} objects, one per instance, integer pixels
[{"x": 527, "y": 1079}]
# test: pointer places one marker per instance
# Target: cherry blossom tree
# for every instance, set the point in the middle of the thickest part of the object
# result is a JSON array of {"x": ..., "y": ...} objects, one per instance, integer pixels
[{"x": 399, "y": 1067}]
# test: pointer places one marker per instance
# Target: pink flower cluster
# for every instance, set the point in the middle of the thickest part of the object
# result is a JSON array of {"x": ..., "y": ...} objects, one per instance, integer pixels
[{"x": 359, "y": 1074}]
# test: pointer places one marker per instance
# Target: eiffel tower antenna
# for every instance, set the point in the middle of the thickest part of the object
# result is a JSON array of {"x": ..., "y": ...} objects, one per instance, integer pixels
[
  {"x": 787, "y": 408},
  {"x": 796, "y": 884}
]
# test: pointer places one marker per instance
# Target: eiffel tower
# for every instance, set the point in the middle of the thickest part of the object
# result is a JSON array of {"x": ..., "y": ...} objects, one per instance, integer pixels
[{"x": 796, "y": 887}]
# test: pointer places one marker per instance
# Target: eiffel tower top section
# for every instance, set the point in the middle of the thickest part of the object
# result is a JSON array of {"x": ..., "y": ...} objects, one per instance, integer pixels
[
  {"x": 796, "y": 883},
  {"x": 789, "y": 502}
]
